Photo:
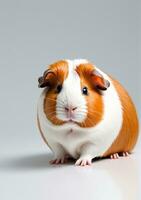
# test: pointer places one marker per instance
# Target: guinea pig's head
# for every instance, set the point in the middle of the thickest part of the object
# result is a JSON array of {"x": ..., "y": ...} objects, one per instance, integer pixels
[{"x": 73, "y": 93}]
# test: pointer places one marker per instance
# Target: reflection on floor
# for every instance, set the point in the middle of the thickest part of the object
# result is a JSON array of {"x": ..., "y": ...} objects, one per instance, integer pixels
[{"x": 27, "y": 174}]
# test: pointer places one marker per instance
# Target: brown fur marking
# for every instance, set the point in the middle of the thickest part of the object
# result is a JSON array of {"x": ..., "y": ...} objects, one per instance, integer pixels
[
  {"x": 128, "y": 135},
  {"x": 94, "y": 99},
  {"x": 60, "y": 70}
]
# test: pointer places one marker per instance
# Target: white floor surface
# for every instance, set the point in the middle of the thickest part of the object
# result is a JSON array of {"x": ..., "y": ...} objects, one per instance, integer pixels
[{"x": 25, "y": 174}]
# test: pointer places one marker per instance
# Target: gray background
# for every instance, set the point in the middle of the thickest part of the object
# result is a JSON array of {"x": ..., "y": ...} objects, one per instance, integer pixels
[{"x": 35, "y": 33}]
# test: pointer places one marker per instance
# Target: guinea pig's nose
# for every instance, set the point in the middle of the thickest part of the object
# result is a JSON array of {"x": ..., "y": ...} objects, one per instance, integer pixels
[{"x": 70, "y": 109}]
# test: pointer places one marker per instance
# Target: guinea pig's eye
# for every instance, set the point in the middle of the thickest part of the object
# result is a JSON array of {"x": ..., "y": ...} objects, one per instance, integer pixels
[
  {"x": 85, "y": 90},
  {"x": 59, "y": 88}
]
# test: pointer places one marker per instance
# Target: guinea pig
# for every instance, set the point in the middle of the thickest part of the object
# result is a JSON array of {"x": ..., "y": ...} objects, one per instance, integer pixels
[{"x": 83, "y": 113}]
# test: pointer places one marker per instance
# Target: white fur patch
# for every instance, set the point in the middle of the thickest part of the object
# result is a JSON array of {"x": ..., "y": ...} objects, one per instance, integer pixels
[
  {"x": 71, "y": 95},
  {"x": 70, "y": 136}
]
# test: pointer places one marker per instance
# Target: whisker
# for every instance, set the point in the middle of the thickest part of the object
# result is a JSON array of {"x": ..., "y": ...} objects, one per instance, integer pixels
[
  {"x": 51, "y": 113},
  {"x": 90, "y": 120},
  {"x": 91, "y": 112},
  {"x": 57, "y": 107},
  {"x": 60, "y": 112},
  {"x": 84, "y": 124},
  {"x": 61, "y": 102}
]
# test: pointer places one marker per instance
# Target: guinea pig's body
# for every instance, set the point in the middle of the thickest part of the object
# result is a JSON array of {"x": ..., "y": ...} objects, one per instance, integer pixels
[{"x": 83, "y": 113}]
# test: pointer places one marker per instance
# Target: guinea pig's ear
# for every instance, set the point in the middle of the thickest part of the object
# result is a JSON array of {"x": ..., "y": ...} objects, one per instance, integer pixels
[
  {"x": 99, "y": 81},
  {"x": 46, "y": 79}
]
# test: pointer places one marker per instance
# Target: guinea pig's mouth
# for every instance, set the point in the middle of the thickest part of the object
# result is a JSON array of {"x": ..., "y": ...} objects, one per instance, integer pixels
[
  {"x": 71, "y": 121},
  {"x": 71, "y": 115}
]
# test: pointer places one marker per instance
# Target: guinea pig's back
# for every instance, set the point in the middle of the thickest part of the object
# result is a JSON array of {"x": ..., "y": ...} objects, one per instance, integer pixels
[{"x": 128, "y": 134}]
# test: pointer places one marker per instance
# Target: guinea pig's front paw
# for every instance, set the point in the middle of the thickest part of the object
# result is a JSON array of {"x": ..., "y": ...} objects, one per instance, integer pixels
[
  {"x": 58, "y": 160},
  {"x": 83, "y": 161}
]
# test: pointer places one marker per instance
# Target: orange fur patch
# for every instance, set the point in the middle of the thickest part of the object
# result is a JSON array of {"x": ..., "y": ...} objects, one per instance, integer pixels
[
  {"x": 60, "y": 70},
  {"x": 94, "y": 99},
  {"x": 128, "y": 135}
]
